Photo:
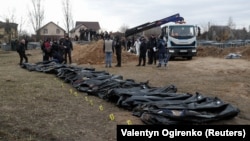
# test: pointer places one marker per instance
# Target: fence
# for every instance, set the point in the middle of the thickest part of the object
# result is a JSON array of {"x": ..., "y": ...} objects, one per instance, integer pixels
[
  {"x": 232, "y": 43},
  {"x": 6, "y": 47}
]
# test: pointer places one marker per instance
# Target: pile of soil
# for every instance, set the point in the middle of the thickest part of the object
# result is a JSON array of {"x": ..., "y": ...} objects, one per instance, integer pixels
[
  {"x": 223, "y": 52},
  {"x": 93, "y": 54}
]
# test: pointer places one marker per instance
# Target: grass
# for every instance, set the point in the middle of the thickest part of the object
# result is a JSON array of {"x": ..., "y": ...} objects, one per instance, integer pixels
[{"x": 40, "y": 107}]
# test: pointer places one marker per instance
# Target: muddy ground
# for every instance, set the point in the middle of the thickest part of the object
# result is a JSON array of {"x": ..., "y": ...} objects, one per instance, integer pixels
[{"x": 40, "y": 107}]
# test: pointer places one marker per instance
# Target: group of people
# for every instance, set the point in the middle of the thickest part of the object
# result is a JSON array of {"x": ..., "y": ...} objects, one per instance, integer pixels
[
  {"x": 153, "y": 48},
  {"x": 58, "y": 51}
]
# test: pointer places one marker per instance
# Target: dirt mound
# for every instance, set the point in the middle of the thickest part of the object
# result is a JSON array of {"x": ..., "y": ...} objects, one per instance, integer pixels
[
  {"x": 223, "y": 52},
  {"x": 92, "y": 53}
]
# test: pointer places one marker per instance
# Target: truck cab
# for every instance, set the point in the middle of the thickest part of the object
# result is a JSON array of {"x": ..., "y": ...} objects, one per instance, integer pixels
[{"x": 181, "y": 40}]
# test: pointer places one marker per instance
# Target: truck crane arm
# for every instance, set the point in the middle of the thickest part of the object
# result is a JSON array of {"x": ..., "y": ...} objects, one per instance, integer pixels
[{"x": 174, "y": 18}]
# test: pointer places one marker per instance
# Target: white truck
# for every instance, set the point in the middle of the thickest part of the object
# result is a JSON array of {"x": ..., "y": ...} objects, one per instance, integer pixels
[
  {"x": 180, "y": 37},
  {"x": 181, "y": 40}
]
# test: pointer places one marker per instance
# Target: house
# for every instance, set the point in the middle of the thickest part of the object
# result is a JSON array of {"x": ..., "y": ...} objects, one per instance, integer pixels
[
  {"x": 220, "y": 33},
  {"x": 224, "y": 33},
  {"x": 240, "y": 34},
  {"x": 8, "y": 32},
  {"x": 51, "y": 31},
  {"x": 85, "y": 30}
]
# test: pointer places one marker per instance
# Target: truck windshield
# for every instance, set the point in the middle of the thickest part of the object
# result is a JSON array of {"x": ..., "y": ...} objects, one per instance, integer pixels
[{"x": 181, "y": 32}]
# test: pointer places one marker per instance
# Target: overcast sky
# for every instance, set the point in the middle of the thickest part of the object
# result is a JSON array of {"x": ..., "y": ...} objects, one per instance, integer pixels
[{"x": 112, "y": 14}]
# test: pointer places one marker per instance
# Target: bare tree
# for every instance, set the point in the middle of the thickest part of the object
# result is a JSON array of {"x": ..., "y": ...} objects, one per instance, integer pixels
[
  {"x": 9, "y": 19},
  {"x": 231, "y": 23},
  {"x": 36, "y": 15},
  {"x": 204, "y": 26},
  {"x": 7, "y": 29},
  {"x": 21, "y": 23},
  {"x": 67, "y": 14},
  {"x": 10, "y": 16}
]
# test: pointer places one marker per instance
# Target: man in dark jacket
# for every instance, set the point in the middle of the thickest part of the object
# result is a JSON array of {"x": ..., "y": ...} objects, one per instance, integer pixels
[
  {"x": 56, "y": 52},
  {"x": 143, "y": 51},
  {"x": 152, "y": 43},
  {"x": 68, "y": 47},
  {"x": 118, "y": 51},
  {"x": 21, "y": 52}
]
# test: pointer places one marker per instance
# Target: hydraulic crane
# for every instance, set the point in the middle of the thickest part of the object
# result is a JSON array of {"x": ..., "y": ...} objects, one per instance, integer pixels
[{"x": 174, "y": 18}]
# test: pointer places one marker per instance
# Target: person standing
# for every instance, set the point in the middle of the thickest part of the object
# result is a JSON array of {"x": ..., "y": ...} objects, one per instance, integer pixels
[
  {"x": 21, "y": 51},
  {"x": 68, "y": 47},
  {"x": 152, "y": 50},
  {"x": 137, "y": 47},
  {"x": 161, "y": 52},
  {"x": 118, "y": 51},
  {"x": 57, "y": 56},
  {"x": 46, "y": 48},
  {"x": 108, "y": 49},
  {"x": 129, "y": 44},
  {"x": 143, "y": 52},
  {"x": 26, "y": 43}
]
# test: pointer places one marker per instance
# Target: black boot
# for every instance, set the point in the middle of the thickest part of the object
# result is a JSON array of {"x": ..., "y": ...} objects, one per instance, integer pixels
[{"x": 118, "y": 65}]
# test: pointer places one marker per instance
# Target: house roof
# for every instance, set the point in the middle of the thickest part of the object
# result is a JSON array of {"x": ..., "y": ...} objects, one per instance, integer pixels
[
  {"x": 88, "y": 24},
  {"x": 52, "y": 23},
  {"x": 4, "y": 24}
]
